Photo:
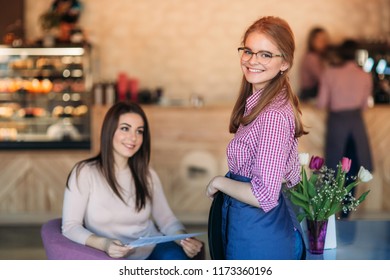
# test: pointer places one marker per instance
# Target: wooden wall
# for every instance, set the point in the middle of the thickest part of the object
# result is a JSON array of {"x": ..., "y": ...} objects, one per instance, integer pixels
[{"x": 32, "y": 184}]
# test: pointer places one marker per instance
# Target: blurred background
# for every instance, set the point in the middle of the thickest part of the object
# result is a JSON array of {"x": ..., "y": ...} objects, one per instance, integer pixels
[{"x": 179, "y": 58}]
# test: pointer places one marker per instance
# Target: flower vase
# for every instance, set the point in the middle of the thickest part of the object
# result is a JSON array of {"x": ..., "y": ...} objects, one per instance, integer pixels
[{"x": 317, "y": 235}]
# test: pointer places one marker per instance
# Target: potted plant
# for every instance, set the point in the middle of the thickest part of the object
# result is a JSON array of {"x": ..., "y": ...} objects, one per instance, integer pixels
[{"x": 323, "y": 194}]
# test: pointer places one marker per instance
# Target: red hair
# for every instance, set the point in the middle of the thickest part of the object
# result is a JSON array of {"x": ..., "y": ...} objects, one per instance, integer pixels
[{"x": 277, "y": 30}]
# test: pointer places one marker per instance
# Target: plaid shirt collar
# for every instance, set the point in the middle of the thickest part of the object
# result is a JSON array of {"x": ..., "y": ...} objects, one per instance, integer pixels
[{"x": 252, "y": 100}]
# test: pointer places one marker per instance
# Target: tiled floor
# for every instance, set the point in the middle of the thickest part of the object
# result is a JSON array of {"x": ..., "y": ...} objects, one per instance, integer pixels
[{"x": 24, "y": 242}]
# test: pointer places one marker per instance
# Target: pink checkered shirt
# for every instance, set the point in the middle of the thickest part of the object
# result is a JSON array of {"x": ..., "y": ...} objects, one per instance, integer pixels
[{"x": 266, "y": 151}]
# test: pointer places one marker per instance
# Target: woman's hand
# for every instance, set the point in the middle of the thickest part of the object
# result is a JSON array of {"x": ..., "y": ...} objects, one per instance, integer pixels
[
  {"x": 191, "y": 246},
  {"x": 211, "y": 189},
  {"x": 115, "y": 249}
]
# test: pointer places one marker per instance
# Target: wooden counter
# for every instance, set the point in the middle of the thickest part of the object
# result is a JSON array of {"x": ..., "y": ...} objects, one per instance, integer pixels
[{"x": 188, "y": 149}]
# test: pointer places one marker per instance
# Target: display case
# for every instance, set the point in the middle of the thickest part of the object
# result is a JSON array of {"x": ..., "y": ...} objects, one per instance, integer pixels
[{"x": 45, "y": 98}]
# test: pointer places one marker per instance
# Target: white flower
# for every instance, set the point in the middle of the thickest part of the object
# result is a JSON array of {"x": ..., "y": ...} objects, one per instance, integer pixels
[
  {"x": 364, "y": 175},
  {"x": 303, "y": 158}
]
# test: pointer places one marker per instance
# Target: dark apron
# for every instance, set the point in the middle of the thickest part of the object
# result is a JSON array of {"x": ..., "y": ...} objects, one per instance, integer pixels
[{"x": 250, "y": 233}]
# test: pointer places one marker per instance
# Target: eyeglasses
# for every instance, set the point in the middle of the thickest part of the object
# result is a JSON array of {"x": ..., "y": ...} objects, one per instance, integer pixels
[{"x": 262, "y": 57}]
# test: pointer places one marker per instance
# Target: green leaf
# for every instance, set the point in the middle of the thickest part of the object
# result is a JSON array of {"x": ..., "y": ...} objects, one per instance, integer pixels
[
  {"x": 313, "y": 178},
  {"x": 301, "y": 204},
  {"x": 324, "y": 210},
  {"x": 363, "y": 196},
  {"x": 299, "y": 195},
  {"x": 351, "y": 186},
  {"x": 339, "y": 171},
  {"x": 311, "y": 189},
  {"x": 340, "y": 177},
  {"x": 304, "y": 181},
  {"x": 337, "y": 207}
]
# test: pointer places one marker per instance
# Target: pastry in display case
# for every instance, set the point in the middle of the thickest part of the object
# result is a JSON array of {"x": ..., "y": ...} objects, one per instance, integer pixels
[{"x": 45, "y": 98}]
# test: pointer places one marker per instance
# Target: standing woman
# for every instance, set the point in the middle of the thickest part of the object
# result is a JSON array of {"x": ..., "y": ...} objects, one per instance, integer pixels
[
  {"x": 257, "y": 222},
  {"x": 313, "y": 63},
  {"x": 115, "y": 197},
  {"x": 345, "y": 92}
]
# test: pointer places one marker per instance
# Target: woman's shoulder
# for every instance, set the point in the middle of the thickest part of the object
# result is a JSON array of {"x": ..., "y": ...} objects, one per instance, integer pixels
[
  {"x": 87, "y": 166},
  {"x": 280, "y": 108},
  {"x": 280, "y": 104},
  {"x": 82, "y": 174}
]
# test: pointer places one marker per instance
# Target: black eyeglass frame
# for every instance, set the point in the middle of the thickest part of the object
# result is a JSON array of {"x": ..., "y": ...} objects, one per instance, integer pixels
[{"x": 271, "y": 55}]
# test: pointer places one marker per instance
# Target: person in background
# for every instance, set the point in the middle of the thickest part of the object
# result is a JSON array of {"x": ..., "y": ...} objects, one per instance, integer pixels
[
  {"x": 115, "y": 197},
  {"x": 313, "y": 63},
  {"x": 344, "y": 92},
  {"x": 257, "y": 222}
]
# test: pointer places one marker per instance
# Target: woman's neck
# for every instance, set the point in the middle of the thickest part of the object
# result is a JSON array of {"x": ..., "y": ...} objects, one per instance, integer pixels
[{"x": 120, "y": 164}]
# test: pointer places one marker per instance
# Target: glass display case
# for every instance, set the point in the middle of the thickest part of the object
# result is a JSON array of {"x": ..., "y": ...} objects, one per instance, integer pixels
[{"x": 45, "y": 98}]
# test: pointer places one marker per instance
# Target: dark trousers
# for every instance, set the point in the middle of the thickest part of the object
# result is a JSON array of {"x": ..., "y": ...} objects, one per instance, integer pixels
[{"x": 168, "y": 251}]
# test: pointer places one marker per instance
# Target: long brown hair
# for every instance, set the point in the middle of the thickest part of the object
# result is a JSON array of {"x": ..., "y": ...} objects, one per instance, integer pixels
[
  {"x": 138, "y": 163},
  {"x": 277, "y": 30}
]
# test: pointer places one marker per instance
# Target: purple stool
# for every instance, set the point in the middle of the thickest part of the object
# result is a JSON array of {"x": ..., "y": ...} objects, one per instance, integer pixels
[{"x": 59, "y": 247}]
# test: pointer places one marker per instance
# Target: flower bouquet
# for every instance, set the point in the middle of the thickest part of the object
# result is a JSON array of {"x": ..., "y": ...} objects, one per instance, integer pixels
[{"x": 323, "y": 194}]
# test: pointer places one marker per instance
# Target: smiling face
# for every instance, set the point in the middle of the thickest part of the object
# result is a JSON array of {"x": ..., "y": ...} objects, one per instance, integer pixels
[
  {"x": 257, "y": 74},
  {"x": 128, "y": 137}
]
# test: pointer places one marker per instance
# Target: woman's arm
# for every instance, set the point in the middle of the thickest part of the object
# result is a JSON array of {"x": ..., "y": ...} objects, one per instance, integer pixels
[
  {"x": 241, "y": 191},
  {"x": 76, "y": 198}
]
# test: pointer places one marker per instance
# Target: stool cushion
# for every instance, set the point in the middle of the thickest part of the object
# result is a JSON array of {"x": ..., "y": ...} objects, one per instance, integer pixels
[{"x": 59, "y": 247}]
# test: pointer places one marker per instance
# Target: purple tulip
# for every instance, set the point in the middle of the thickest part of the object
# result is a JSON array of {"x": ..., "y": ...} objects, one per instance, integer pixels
[
  {"x": 345, "y": 164},
  {"x": 316, "y": 163}
]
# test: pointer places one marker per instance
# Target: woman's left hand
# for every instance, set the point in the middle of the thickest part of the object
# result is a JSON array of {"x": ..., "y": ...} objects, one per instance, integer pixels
[{"x": 191, "y": 246}]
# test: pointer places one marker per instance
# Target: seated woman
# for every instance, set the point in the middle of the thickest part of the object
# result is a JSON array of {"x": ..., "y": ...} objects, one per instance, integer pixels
[{"x": 115, "y": 197}]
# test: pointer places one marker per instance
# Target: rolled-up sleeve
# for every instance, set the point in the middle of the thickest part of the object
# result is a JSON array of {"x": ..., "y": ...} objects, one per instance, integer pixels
[{"x": 269, "y": 167}]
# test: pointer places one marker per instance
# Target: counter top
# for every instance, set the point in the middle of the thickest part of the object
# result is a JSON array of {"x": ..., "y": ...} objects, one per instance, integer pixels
[{"x": 359, "y": 240}]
